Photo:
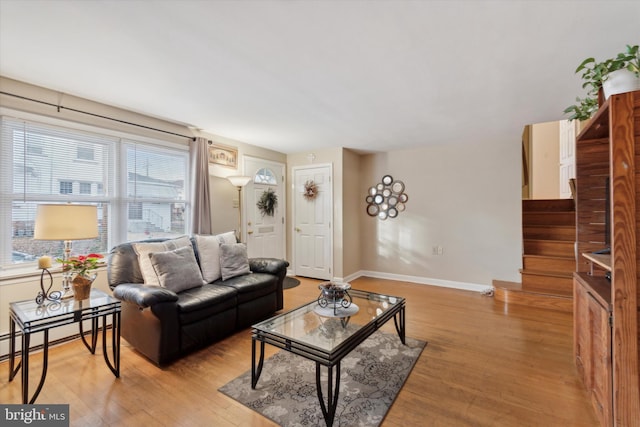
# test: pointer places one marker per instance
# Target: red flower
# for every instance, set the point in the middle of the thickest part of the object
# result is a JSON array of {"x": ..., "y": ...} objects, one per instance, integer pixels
[{"x": 82, "y": 264}]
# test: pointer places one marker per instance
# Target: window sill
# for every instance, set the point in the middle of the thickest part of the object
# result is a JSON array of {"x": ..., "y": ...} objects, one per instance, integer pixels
[{"x": 31, "y": 272}]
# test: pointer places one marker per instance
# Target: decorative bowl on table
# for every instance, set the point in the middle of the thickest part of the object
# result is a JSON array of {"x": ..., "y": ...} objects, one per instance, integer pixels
[{"x": 334, "y": 295}]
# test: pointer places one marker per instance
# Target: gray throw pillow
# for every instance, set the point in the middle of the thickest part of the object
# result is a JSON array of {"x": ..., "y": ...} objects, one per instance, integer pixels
[
  {"x": 209, "y": 253},
  {"x": 143, "y": 249},
  {"x": 233, "y": 260},
  {"x": 177, "y": 270}
]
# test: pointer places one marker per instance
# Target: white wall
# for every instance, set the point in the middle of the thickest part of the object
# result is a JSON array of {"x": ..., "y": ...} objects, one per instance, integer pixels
[{"x": 463, "y": 197}]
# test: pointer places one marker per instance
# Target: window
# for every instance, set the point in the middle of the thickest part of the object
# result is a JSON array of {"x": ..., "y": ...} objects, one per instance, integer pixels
[
  {"x": 140, "y": 188},
  {"x": 66, "y": 187},
  {"x": 156, "y": 191},
  {"x": 85, "y": 188},
  {"x": 84, "y": 153},
  {"x": 265, "y": 176},
  {"x": 135, "y": 210}
]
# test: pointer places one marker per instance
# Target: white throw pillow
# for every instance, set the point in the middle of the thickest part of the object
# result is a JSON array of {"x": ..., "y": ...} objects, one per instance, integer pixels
[
  {"x": 209, "y": 255},
  {"x": 229, "y": 237},
  {"x": 143, "y": 249}
]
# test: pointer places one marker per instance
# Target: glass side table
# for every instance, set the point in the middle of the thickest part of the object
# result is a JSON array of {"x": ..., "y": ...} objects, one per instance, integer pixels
[{"x": 31, "y": 318}]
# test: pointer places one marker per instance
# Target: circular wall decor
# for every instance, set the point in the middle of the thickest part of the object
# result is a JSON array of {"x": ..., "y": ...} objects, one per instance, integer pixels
[{"x": 386, "y": 199}]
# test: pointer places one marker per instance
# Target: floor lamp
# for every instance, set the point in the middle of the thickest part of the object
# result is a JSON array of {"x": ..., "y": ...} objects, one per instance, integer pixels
[
  {"x": 239, "y": 181},
  {"x": 66, "y": 222}
]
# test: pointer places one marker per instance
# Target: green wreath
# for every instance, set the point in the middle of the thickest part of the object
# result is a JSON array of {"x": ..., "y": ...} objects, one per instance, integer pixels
[{"x": 268, "y": 202}]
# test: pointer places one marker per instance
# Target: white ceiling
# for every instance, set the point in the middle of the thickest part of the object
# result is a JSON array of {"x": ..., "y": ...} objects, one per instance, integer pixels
[{"x": 299, "y": 75}]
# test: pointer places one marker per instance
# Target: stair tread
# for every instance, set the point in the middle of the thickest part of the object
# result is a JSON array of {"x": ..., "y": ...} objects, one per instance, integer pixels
[
  {"x": 559, "y": 274},
  {"x": 553, "y": 226},
  {"x": 559, "y": 257},
  {"x": 549, "y": 240}
]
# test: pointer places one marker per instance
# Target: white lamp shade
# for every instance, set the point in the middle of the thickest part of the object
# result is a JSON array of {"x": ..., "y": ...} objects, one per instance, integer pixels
[
  {"x": 239, "y": 181},
  {"x": 66, "y": 222}
]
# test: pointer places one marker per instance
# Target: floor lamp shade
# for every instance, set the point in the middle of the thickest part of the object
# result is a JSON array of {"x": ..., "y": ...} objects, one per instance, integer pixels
[
  {"x": 239, "y": 181},
  {"x": 66, "y": 222}
]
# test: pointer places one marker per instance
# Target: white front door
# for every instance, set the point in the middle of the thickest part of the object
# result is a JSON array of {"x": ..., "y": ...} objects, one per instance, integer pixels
[
  {"x": 312, "y": 222},
  {"x": 264, "y": 232}
]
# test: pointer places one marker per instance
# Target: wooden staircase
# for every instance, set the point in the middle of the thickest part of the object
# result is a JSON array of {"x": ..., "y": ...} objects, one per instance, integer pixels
[{"x": 548, "y": 260}]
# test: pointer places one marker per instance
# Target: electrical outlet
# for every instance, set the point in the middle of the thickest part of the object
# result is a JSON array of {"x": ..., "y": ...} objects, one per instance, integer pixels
[
  {"x": 437, "y": 250},
  {"x": 440, "y": 250}
]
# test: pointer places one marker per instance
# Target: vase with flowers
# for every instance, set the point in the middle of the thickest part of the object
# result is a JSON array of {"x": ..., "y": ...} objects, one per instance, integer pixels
[{"x": 82, "y": 268}]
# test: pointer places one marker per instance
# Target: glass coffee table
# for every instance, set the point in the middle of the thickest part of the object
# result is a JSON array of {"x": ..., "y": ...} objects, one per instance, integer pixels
[{"x": 326, "y": 335}]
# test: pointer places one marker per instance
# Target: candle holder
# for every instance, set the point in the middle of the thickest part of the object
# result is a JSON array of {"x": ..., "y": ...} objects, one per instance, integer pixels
[{"x": 45, "y": 295}]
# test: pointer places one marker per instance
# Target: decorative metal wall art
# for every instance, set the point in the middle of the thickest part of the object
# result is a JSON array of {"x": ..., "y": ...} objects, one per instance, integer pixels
[{"x": 386, "y": 199}]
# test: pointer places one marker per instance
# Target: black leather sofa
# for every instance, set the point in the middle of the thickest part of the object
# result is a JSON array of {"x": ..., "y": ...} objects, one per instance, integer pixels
[{"x": 164, "y": 325}]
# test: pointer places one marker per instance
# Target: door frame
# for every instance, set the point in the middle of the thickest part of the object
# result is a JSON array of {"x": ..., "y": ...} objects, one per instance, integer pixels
[
  {"x": 282, "y": 167},
  {"x": 294, "y": 169}
]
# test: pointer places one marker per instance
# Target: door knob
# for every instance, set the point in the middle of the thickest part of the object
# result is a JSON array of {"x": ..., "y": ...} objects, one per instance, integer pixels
[
  {"x": 249, "y": 232},
  {"x": 297, "y": 229}
]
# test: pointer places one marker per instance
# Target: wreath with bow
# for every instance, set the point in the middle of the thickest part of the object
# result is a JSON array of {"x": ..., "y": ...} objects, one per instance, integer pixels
[
  {"x": 310, "y": 190},
  {"x": 268, "y": 202}
]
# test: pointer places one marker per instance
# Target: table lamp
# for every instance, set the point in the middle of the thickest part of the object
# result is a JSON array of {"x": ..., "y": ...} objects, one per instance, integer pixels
[
  {"x": 66, "y": 222},
  {"x": 239, "y": 181}
]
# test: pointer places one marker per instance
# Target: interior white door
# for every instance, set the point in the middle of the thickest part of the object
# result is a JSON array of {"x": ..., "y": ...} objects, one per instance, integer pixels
[
  {"x": 264, "y": 233},
  {"x": 312, "y": 223},
  {"x": 567, "y": 156}
]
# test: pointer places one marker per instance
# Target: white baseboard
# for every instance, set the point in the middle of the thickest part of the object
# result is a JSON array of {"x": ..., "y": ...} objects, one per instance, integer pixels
[{"x": 475, "y": 287}]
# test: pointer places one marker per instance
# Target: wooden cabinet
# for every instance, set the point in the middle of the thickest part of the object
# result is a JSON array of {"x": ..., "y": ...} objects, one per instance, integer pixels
[
  {"x": 606, "y": 311},
  {"x": 593, "y": 346}
]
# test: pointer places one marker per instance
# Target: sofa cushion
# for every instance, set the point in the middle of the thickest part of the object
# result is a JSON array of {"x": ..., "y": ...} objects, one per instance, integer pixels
[
  {"x": 252, "y": 286},
  {"x": 143, "y": 249},
  {"x": 209, "y": 255},
  {"x": 177, "y": 270},
  {"x": 209, "y": 299},
  {"x": 233, "y": 260}
]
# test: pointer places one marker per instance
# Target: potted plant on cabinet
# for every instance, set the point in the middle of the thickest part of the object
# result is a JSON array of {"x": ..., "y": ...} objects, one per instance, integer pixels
[{"x": 602, "y": 79}]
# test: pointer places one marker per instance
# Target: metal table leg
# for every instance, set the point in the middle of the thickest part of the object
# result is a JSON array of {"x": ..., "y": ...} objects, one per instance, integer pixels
[
  {"x": 24, "y": 364},
  {"x": 255, "y": 373},
  {"x": 115, "y": 343},
  {"x": 333, "y": 390},
  {"x": 13, "y": 369},
  {"x": 94, "y": 334},
  {"x": 399, "y": 324}
]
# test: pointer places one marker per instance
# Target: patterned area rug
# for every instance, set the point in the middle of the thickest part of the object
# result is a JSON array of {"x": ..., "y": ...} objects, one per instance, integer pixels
[{"x": 370, "y": 378}]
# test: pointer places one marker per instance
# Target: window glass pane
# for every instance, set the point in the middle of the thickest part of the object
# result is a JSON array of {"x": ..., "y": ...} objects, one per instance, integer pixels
[
  {"x": 85, "y": 188},
  {"x": 156, "y": 189},
  {"x": 155, "y": 174},
  {"x": 265, "y": 176},
  {"x": 43, "y": 167},
  {"x": 154, "y": 220}
]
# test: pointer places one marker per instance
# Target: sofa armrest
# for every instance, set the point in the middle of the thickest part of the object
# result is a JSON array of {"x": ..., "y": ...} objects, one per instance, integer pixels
[
  {"x": 143, "y": 295},
  {"x": 268, "y": 265}
]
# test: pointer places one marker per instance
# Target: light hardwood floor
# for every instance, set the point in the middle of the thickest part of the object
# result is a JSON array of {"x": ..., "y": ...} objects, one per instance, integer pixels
[{"x": 484, "y": 365}]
